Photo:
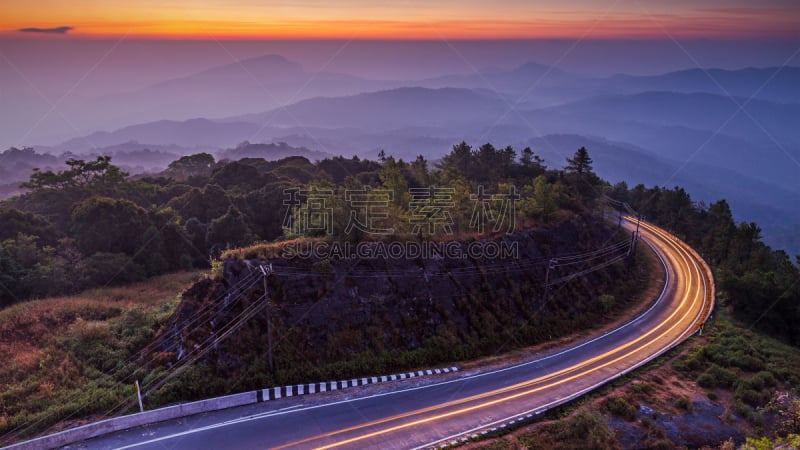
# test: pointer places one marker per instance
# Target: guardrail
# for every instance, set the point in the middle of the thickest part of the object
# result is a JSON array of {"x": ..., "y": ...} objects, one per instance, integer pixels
[{"x": 107, "y": 426}]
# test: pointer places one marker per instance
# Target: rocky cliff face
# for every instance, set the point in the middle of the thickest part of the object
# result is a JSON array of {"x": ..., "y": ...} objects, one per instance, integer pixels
[{"x": 398, "y": 312}]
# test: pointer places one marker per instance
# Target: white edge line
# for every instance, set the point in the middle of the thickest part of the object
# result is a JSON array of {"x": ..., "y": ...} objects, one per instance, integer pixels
[
  {"x": 461, "y": 379},
  {"x": 538, "y": 410}
]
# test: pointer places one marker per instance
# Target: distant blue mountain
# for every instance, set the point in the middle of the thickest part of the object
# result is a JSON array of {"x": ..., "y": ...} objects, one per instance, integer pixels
[
  {"x": 249, "y": 85},
  {"x": 202, "y": 133},
  {"x": 448, "y": 108},
  {"x": 777, "y": 84},
  {"x": 758, "y": 121}
]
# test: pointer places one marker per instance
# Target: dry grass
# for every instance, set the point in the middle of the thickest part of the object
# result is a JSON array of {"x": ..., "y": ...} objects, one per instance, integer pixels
[
  {"x": 33, "y": 320},
  {"x": 265, "y": 250},
  {"x": 55, "y": 350}
]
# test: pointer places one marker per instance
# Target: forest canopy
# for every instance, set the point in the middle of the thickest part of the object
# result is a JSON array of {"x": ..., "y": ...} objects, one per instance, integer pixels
[{"x": 94, "y": 225}]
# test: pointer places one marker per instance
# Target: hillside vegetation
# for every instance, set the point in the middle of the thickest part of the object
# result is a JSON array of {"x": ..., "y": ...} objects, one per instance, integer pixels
[
  {"x": 732, "y": 388},
  {"x": 56, "y": 352},
  {"x": 759, "y": 285},
  {"x": 94, "y": 226}
]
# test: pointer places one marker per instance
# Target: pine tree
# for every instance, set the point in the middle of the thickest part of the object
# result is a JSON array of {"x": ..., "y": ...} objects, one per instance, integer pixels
[{"x": 580, "y": 163}]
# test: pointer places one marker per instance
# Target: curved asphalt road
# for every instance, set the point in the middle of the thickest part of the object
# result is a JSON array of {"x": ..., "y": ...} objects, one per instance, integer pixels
[{"x": 429, "y": 415}]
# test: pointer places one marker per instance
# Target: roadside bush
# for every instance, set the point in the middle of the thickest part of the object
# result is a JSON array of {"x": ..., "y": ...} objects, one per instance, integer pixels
[
  {"x": 750, "y": 396},
  {"x": 695, "y": 360},
  {"x": 618, "y": 406},
  {"x": 747, "y": 413},
  {"x": 748, "y": 363},
  {"x": 766, "y": 378},
  {"x": 680, "y": 366},
  {"x": 717, "y": 376},
  {"x": 642, "y": 388},
  {"x": 707, "y": 381},
  {"x": 683, "y": 403}
]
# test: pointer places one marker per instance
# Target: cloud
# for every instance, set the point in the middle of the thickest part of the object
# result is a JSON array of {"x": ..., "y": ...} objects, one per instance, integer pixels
[{"x": 56, "y": 30}]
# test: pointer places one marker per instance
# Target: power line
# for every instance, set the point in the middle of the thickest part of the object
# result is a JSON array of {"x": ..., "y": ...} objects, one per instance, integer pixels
[{"x": 131, "y": 359}]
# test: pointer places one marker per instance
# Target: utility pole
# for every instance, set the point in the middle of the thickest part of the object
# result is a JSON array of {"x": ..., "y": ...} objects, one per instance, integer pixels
[
  {"x": 267, "y": 271},
  {"x": 632, "y": 245},
  {"x": 139, "y": 396},
  {"x": 550, "y": 266}
]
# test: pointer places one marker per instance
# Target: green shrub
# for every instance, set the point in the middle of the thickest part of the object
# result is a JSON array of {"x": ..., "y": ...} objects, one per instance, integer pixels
[
  {"x": 680, "y": 366},
  {"x": 642, "y": 388},
  {"x": 653, "y": 429},
  {"x": 766, "y": 378},
  {"x": 683, "y": 403},
  {"x": 716, "y": 376},
  {"x": 747, "y": 413},
  {"x": 618, "y": 406},
  {"x": 750, "y": 396},
  {"x": 694, "y": 360},
  {"x": 706, "y": 380},
  {"x": 748, "y": 362}
]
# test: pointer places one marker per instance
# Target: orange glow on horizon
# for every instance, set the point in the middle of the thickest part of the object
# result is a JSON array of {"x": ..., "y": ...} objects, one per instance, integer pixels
[{"x": 358, "y": 19}]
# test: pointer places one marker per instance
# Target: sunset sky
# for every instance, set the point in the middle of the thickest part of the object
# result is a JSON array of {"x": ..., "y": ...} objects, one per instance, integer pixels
[{"x": 411, "y": 19}]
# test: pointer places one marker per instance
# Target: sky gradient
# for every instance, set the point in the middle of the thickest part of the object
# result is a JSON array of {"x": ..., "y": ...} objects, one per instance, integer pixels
[{"x": 411, "y": 19}]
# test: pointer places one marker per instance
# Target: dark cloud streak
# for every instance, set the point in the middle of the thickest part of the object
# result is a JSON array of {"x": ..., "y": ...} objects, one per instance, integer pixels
[{"x": 56, "y": 30}]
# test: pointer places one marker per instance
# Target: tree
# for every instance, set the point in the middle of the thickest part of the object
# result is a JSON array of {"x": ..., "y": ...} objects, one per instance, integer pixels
[
  {"x": 268, "y": 198},
  {"x": 392, "y": 179},
  {"x": 204, "y": 204},
  {"x": 580, "y": 163},
  {"x": 197, "y": 231},
  {"x": 236, "y": 174},
  {"x": 720, "y": 231},
  {"x": 102, "y": 224},
  {"x": 230, "y": 230},
  {"x": 340, "y": 168},
  {"x": 606, "y": 302},
  {"x": 151, "y": 257},
  {"x": 107, "y": 269},
  {"x": 580, "y": 178},
  {"x": 419, "y": 172},
  {"x": 199, "y": 164},
  {"x": 11, "y": 275},
  {"x": 13, "y": 221},
  {"x": 530, "y": 165},
  {"x": 528, "y": 159},
  {"x": 99, "y": 174},
  {"x": 457, "y": 162},
  {"x": 544, "y": 199}
]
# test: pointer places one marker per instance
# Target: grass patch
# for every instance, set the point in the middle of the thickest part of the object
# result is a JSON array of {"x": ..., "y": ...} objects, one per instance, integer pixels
[
  {"x": 57, "y": 352},
  {"x": 581, "y": 431},
  {"x": 748, "y": 364}
]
